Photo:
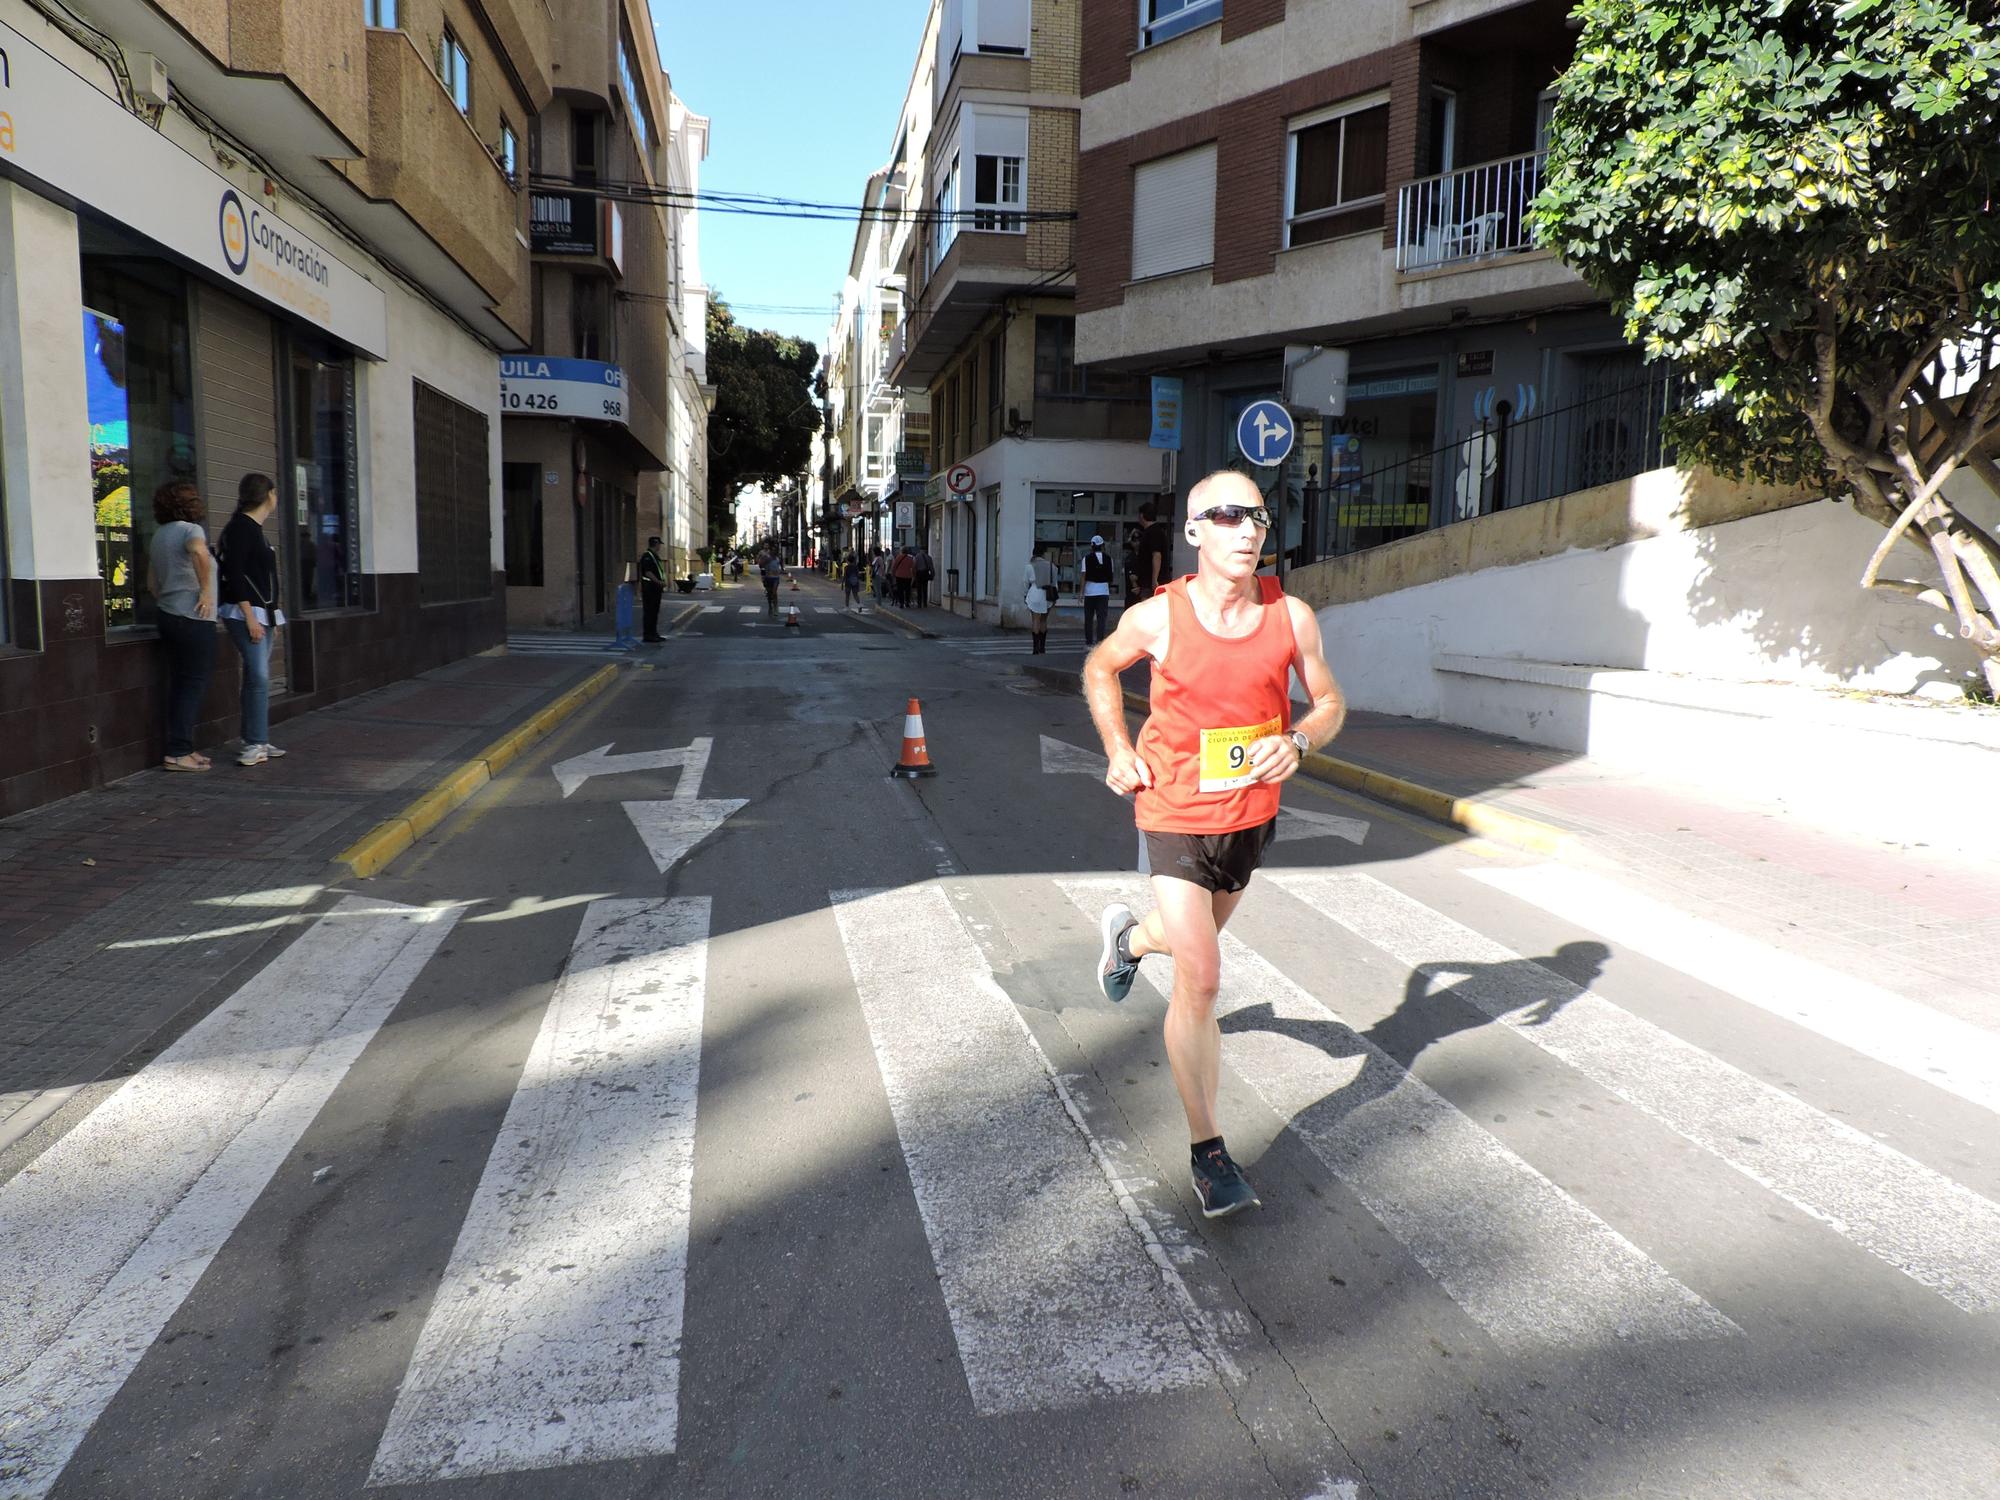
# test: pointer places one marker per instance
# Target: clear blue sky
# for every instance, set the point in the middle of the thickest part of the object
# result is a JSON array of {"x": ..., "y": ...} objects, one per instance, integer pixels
[{"x": 803, "y": 96}]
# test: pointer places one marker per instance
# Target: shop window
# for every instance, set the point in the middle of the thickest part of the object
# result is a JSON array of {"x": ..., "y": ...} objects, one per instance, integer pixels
[
  {"x": 320, "y": 480},
  {"x": 521, "y": 511},
  {"x": 454, "y": 520},
  {"x": 1160, "y": 20},
  {"x": 382, "y": 13},
  {"x": 1339, "y": 164},
  {"x": 140, "y": 403}
]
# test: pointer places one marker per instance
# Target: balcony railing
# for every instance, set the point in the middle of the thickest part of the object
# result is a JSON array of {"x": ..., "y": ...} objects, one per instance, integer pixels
[
  {"x": 1474, "y": 214},
  {"x": 1498, "y": 465}
]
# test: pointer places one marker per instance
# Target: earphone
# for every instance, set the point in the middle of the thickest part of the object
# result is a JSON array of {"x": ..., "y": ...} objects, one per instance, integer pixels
[{"x": 1192, "y": 534}]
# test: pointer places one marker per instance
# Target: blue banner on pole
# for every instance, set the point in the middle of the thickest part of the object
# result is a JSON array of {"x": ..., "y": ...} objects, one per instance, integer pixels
[{"x": 1166, "y": 412}]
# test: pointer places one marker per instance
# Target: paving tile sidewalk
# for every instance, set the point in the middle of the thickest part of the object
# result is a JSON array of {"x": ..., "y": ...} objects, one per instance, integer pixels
[{"x": 122, "y": 906}]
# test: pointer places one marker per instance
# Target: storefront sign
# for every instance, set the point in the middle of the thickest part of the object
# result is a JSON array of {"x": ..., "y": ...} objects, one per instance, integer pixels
[
  {"x": 1166, "y": 412},
  {"x": 906, "y": 514},
  {"x": 912, "y": 467},
  {"x": 1475, "y": 362},
  {"x": 59, "y": 130},
  {"x": 562, "y": 223},
  {"x": 539, "y": 385}
]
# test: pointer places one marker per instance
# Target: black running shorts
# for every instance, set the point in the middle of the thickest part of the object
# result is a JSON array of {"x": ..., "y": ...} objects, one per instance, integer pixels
[{"x": 1220, "y": 862}]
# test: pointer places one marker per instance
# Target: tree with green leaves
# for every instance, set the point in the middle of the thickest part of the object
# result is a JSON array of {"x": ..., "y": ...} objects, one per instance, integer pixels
[
  {"x": 764, "y": 418},
  {"x": 1794, "y": 200}
]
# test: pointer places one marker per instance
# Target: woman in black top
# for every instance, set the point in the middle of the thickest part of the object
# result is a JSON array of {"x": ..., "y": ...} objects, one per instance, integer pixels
[{"x": 249, "y": 595}]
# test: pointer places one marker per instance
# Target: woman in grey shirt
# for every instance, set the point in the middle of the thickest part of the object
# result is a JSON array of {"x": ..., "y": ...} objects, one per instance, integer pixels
[{"x": 182, "y": 580}]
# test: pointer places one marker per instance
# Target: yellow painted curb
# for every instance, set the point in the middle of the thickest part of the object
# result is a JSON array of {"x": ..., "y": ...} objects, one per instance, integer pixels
[
  {"x": 1481, "y": 819},
  {"x": 371, "y": 853}
]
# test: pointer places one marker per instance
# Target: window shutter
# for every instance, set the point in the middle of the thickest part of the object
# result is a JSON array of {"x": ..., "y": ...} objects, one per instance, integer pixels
[
  {"x": 1003, "y": 25},
  {"x": 1173, "y": 213},
  {"x": 995, "y": 134}
]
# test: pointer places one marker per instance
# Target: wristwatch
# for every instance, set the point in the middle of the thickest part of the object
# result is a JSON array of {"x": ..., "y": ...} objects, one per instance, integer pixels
[{"x": 1297, "y": 737}]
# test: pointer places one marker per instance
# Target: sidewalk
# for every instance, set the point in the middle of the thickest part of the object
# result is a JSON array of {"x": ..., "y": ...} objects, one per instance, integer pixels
[
  {"x": 122, "y": 907},
  {"x": 1922, "y": 923}
]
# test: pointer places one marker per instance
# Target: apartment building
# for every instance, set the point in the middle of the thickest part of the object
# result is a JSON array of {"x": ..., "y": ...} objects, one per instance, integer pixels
[
  {"x": 240, "y": 237},
  {"x": 1490, "y": 520},
  {"x": 1023, "y": 444},
  {"x": 588, "y": 410},
  {"x": 685, "y": 524}
]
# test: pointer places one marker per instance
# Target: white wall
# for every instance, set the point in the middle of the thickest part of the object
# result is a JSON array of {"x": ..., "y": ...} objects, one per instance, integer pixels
[
  {"x": 423, "y": 345},
  {"x": 44, "y": 405},
  {"x": 1772, "y": 598}
]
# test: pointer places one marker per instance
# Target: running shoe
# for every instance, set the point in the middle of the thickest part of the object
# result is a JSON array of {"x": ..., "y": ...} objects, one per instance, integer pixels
[
  {"x": 1219, "y": 1183},
  {"x": 1115, "y": 972},
  {"x": 251, "y": 755},
  {"x": 272, "y": 752}
]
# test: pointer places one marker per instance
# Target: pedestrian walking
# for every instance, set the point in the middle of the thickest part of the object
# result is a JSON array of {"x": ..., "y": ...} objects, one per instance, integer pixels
[
  {"x": 1040, "y": 582},
  {"x": 772, "y": 570},
  {"x": 180, "y": 575},
  {"x": 925, "y": 573},
  {"x": 1130, "y": 562},
  {"x": 1095, "y": 572},
  {"x": 250, "y": 611},
  {"x": 905, "y": 571},
  {"x": 853, "y": 578},
  {"x": 652, "y": 586},
  {"x": 1206, "y": 773},
  {"x": 878, "y": 575}
]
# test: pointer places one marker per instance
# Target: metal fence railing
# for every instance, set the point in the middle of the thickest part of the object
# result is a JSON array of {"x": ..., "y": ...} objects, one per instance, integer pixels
[
  {"x": 1500, "y": 464},
  {"x": 1467, "y": 215}
]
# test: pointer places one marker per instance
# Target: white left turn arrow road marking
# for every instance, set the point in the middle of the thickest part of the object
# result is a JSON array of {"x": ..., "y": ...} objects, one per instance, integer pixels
[
  {"x": 574, "y": 772},
  {"x": 1062, "y": 759}
]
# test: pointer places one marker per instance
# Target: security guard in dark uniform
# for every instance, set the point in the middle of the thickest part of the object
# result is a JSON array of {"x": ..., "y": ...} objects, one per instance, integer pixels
[{"x": 652, "y": 584}]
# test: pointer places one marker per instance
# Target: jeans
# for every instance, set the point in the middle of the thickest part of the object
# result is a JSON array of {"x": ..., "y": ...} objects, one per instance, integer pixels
[
  {"x": 1096, "y": 612},
  {"x": 256, "y": 681},
  {"x": 190, "y": 645}
]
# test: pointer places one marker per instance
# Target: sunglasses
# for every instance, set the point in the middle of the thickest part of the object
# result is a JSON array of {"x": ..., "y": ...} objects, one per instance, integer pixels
[{"x": 1235, "y": 515}]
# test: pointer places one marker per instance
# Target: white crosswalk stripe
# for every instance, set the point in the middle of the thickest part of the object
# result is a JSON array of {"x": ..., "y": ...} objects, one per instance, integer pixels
[
  {"x": 749, "y": 609},
  {"x": 107, "y": 1232},
  {"x": 1053, "y": 1297},
  {"x": 1934, "y": 1230},
  {"x": 1941, "y": 1050},
  {"x": 711, "y": 609},
  {"x": 561, "y": 645},
  {"x": 1534, "y": 1268},
  {"x": 555, "y": 1335}
]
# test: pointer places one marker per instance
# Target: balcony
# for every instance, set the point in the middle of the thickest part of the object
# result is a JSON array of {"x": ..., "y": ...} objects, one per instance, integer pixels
[
  {"x": 426, "y": 160},
  {"x": 1472, "y": 216}
]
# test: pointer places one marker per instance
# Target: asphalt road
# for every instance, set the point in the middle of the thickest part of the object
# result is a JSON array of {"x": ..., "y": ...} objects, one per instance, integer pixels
[{"x": 814, "y": 1165}]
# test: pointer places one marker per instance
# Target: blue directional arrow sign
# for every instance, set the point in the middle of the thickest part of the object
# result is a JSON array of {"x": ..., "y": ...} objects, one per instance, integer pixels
[{"x": 1264, "y": 433}]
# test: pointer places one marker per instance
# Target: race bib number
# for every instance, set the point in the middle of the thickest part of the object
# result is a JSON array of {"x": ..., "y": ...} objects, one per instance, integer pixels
[{"x": 1225, "y": 755}]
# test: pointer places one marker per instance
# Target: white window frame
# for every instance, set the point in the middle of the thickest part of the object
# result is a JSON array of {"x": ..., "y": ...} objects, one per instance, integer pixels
[
  {"x": 1293, "y": 129},
  {"x": 1446, "y": 100},
  {"x": 946, "y": 204},
  {"x": 1004, "y": 212},
  {"x": 455, "y": 70},
  {"x": 382, "y": 14},
  {"x": 510, "y": 152},
  {"x": 1210, "y": 11}
]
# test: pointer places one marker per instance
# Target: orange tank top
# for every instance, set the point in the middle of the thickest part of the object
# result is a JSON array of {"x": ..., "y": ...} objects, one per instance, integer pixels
[{"x": 1211, "y": 698}]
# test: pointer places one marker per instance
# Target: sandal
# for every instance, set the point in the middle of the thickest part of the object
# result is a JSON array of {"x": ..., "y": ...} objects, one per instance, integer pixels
[{"x": 185, "y": 763}]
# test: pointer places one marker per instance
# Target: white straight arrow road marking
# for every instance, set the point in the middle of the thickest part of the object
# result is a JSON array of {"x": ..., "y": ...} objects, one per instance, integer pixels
[
  {"x": 107, "y": 1232},
  {"x": 1938, "y": 1049},
  {"x": 1060, "y": 758},
  {"x": 554, "y": 1338},
  {"x": 1936, "y": 1231},
  {"x": 672, "y": 828},
  {"x": 1525, "y": 1260},
  {"x": 1053, "y": 1297},
  {"x": 691, "y": 758}
]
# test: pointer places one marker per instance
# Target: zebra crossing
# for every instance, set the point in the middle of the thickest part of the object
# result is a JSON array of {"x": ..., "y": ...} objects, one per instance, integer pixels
[
  {"x": 554, "y": 1335},
  {"x": 1009, "y": 645}
]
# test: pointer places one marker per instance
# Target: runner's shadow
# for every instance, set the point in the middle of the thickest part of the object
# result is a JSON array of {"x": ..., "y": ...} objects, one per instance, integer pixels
[{"x": 1534, "y": 989}]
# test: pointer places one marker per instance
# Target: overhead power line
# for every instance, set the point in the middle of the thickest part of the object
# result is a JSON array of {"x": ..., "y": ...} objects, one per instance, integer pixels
[{"x": 770, "y": 206}]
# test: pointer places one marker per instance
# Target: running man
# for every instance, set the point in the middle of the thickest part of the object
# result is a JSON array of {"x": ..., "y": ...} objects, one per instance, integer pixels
[
  {"x": 1224, "y": 644},
  {"x": 773, "y": 569}
]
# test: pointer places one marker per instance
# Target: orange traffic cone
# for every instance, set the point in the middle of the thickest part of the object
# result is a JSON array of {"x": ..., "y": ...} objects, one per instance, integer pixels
[
  {"x": 916, "y": 759},
  {"x": 792, "y": 618},
  {"x": 795, "y": 585}
]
